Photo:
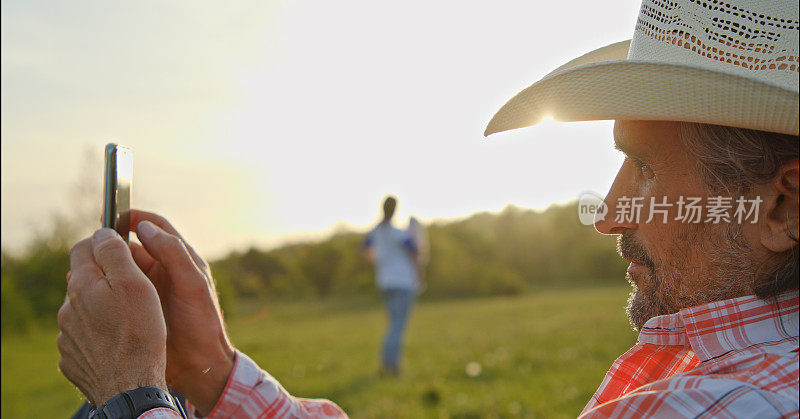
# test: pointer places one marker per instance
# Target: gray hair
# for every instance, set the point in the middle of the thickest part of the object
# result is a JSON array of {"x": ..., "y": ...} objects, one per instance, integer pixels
[{"x": 736, "y": 160}]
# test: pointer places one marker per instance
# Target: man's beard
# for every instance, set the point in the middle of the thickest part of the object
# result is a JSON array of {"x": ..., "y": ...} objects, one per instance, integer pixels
[{"x": 680, "y": 281}]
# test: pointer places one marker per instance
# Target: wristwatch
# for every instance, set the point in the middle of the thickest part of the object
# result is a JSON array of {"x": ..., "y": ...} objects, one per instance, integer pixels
[{"x": 132, "y": 403}]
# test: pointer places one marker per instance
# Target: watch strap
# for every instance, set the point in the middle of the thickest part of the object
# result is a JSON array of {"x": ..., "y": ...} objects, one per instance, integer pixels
[{"x": 132, "y": 403}]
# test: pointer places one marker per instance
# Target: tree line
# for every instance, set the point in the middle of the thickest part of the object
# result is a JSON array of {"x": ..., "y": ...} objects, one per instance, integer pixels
[{"x": 485, "y": 254}]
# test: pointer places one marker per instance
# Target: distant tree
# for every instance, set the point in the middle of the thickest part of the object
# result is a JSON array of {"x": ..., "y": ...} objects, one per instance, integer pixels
[
  {"x": 265, "y": 266},
  {"x": 34, "y": 281},
  {"x": 319, "y": 265},
  {"x": 355, "y": 272},
  {"x": 484, "y": 254},
  {"x": 38, "y": 276},
  {"x": 17, "y": 313}
]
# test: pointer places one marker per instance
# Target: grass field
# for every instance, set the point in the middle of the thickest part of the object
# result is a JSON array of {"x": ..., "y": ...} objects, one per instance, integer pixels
[{"x": 539, "y": 355}]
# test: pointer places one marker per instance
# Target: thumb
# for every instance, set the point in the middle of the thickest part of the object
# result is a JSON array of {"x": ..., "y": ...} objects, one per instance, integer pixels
[
  {"x": 171, "y": 253},
  {"x": 112, "y": 255}
]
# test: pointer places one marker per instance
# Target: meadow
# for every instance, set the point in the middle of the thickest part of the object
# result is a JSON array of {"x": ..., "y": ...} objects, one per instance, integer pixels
[{"x": 538, "y": 354}]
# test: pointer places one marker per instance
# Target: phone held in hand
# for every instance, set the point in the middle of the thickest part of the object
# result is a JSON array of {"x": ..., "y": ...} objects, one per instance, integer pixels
[{"x": 117, "y": 189}]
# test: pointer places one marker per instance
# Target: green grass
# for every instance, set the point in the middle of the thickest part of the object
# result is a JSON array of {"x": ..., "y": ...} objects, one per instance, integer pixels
[{"x": 541, "y": 355}]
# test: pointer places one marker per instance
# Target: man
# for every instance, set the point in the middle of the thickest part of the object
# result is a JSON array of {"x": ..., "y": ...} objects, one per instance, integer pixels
[
  {"x": 393, "y": 252},
  {"x": 705, "y": 99}
]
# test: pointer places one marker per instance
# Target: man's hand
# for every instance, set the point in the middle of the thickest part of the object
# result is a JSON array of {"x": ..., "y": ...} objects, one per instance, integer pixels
[
  {"x": 113, "y": 336},
  {"x": 199, "y": 354}
]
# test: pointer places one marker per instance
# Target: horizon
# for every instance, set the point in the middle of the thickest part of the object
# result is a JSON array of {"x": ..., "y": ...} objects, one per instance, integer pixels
[{"x": 343, "y": 227}]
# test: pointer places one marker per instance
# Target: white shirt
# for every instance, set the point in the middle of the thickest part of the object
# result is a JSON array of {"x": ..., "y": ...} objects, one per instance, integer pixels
[{"x": 394, "y": 257}]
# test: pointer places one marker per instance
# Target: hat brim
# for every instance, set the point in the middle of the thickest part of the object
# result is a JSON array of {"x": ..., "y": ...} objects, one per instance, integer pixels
[{"x": 604, "y": 85}]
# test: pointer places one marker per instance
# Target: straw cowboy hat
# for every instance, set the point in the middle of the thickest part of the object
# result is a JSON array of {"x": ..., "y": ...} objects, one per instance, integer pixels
[{"x": 723, "y": 62}]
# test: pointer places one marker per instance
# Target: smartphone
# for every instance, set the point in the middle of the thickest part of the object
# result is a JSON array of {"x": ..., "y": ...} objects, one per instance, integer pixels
[{"x": 117, "y": 189}]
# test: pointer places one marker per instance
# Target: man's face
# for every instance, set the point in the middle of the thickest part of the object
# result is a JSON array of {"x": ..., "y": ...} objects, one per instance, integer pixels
[{"x": 675, "y": 263}]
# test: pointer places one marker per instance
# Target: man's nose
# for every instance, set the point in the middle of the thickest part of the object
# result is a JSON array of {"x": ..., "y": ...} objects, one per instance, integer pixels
[{"x": 621, "y": 211}]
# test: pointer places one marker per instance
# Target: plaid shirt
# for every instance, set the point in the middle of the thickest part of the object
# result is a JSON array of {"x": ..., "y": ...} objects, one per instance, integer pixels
[
  {"x": 733, "y": 359},
  {"x": 252, "y": 393}
]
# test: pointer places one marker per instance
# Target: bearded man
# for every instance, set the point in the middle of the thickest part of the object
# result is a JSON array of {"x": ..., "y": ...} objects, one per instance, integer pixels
[{"x": 705, "y": 98}]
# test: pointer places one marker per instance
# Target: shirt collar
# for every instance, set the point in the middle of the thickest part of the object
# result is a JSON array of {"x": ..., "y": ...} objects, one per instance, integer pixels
[{"x": 717, "y": 328}]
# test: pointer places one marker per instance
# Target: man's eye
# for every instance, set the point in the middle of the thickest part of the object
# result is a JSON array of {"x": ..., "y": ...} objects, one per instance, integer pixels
[{"x": 646, "y": 171}]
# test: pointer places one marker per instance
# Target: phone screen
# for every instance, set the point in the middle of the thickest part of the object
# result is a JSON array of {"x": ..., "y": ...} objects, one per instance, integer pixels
[{"x": 117, "y": 193}]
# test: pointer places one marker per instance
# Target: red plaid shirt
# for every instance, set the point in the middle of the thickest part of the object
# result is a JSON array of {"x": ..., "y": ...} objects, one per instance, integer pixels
[{"x": 732, "y": 359}]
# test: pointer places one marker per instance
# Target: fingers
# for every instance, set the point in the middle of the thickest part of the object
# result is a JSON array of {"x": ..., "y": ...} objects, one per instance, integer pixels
[
  {"x": 112, "y": 255},
  {"x": 154, "y": 271},
  {"x": 73, "y": 370},
  {"x": 69, "y": 367},
  {"x": 138, "y": 216},
  {"x": 169, "y": 250},
  {"x": 82, "y": 264},
  {"x": 81, "y": 256},
  {"x": 142, "y": 258}
]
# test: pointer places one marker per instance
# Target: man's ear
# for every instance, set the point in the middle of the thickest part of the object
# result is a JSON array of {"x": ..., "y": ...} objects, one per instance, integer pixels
[{"x": 779, "y": 225}]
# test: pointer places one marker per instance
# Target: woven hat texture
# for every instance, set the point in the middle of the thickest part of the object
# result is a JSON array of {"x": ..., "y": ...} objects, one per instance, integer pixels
[{"x": 731, "y": 63}]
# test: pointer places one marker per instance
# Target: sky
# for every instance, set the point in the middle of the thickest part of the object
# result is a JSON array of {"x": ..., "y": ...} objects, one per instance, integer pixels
[{"x": 257, "y": 123}]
